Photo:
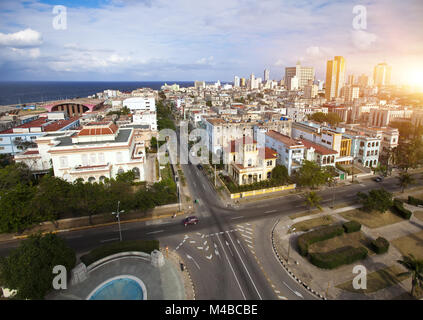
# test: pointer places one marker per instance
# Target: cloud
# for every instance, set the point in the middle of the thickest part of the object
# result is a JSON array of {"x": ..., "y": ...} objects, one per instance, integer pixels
[
  {"x": 21, "y": 39},
  {"x": 31, "y": 53},
  {"x": 363, "y": 40}
]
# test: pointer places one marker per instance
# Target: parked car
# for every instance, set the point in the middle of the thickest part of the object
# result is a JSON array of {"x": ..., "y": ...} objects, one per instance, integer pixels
[
  {"x": 190, "y": 220},
  {"x": 378, "y": 179}
]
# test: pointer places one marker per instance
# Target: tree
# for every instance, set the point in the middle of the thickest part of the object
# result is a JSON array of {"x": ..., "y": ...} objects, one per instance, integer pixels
[
  {"x": 405, "y": 179},
  {"x": 318, "y": 117},
  {"x": 376, "y": 199},
  {"x": 415, "y": 270},
  {"x": 312, "y": 200},
  {"x": 28, "y": 268},
  {"x": 14, "y": 174},
  {"x": 333, "y": 118},
  {"x": 312, "y": 175},
  {"x": 16, "y": 212},
  {"x": 280, "y": 174}
]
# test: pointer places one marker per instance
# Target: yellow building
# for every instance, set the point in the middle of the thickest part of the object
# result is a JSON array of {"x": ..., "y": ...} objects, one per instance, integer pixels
[
  {"x": 382, "y": 74},
  {"x": 335, "y": 77},
  {"x": 246, "y": 164}
]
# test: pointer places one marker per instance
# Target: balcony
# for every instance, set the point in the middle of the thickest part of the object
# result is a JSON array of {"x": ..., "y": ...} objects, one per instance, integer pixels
[{"x": 95, "y": 168}]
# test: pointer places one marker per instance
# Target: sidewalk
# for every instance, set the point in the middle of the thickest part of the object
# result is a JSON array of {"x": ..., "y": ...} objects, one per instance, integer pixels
[{"x": 101, "y": 220}]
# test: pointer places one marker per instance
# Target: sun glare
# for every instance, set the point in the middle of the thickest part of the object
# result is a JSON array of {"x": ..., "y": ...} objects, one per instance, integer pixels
[{"x": 416, "y": 78}]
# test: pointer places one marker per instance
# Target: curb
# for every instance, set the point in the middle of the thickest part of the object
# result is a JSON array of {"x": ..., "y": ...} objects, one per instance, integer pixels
[
  {"x": 95, "y": 226},
  {"x": 285, "y": 266},
  {"x": 186, "y": 269}
]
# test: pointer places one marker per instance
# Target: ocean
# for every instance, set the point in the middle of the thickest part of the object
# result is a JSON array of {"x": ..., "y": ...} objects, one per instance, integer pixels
[{"x": 38, "y": 91}]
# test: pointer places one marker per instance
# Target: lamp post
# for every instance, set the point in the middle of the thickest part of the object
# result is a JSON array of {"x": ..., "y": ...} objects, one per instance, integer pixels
[
  {"x": 289, "y": 246},
  {"x": 117, "y": 214}
]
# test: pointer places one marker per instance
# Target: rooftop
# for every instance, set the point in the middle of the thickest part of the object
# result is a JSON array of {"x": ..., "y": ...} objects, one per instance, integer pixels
[
  {"x": 317, "y": 147},
  {"x": 288, "y": 141}
]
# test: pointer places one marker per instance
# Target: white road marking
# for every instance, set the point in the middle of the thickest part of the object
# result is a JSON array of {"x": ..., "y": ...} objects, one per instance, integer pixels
[
  {"x": 189, "y": 257},
  {"x": 242, "y": 261},
  {"x": 282, "y": 297},
  {"x": 239, "y": 242},
  {"x": 207, "y": 248},
  {"x": 239, "y": 285},
  {"x": 244, "y": 235},
  {"x": 109, "y": 240},
  {"x": 200, "y": 248},
  {"x": 192, "y": 241},
  {"x": 249, "y": 241},
  {"x": 205, "y": 242},
  {"x": 249, "y": 229},
  {"x": 296, "y": 292},
  {"x": 209, "y": 257},
  {"x": 152, "y": 232},
  {"x": 249, "y": 232},
  {"x": 237, "y": 217},
  {"x": 270, "y": 211}
]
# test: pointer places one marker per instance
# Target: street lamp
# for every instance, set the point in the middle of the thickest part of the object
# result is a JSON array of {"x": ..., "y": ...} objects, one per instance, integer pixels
[
  {"x": 289, "y": 246},
  {"x": 117, "y": 214}
]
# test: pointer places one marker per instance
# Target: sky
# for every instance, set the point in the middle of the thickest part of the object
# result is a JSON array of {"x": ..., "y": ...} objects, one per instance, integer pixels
[{"x": 142, "y": 40}]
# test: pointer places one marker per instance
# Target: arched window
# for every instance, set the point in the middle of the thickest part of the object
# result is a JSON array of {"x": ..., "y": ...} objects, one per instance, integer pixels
[
  {"x": 136, "y": 172},
  {"x": 91, "y": 179}
]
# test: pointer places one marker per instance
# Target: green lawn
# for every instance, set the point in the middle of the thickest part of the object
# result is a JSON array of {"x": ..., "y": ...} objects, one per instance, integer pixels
[
  {"x": 372, "y": 219},
  {"x": 377, "y": 280},
  {"x": 311, "y": 223}
]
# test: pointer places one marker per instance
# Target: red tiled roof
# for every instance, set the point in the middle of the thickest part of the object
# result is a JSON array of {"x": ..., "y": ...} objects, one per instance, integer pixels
[
  {"x": 57, "y": 125},
  {"x": 288, "y": 141},
  {"x": 33, "y": 124},
  {"x": 270, "y": 153},
  {"x": 95, "y": 131},
  {"x": 319, "y": 149},
  {"x": 28, "y": 152}
]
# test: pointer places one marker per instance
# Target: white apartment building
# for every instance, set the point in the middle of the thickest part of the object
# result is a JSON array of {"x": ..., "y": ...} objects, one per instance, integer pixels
[
  {"x": 146, "y": 118},
  {"x": 290, "y": 152},
  {"x": 98, "y": 151},
  {"x": 303, "y": 74},
  {"x": 140, "y": 103},
  {"x": 382, "y": 117}
]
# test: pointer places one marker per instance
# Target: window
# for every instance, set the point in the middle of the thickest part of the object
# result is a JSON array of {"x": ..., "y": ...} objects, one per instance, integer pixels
[
  {"x": 101, "y": 158},
  {"x": 119, "y": 157},
  {"x": 93, "y": 158},
  {"x": 63, "y": 162},
  {"x": 84, "y": 159}
]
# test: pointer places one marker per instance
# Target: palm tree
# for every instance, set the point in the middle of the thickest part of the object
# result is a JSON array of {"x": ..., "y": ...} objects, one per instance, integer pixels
[
  {"x": 405, "y": 179},
  {"x": 312, "y": 200},
  {"x": 415, "y": 270}
]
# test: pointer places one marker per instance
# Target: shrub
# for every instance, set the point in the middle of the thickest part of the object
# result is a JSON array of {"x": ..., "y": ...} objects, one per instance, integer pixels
[
  {"x": 306, "y": 239},
  {"x": 351, "y": 226},
  {"x": 146, "y": 246},
  {"x": 380, "y": 245},
  {"x": 338, "y": 257},
  {"x": 414, "y": 201},
  {"x": 400, "y": 210}
]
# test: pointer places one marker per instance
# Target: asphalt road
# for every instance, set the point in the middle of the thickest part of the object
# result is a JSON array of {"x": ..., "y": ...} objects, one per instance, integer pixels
[{"x": 225, "y": 259}]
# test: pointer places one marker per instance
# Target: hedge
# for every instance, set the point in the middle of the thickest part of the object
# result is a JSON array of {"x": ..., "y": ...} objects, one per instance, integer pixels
[
  {"x": 380, "y": 245},
  {"x": 338, "y": 257},
  {"x": 399, "y": 209},
  {"x": 351, "y": 226},
  {"x": 306, "y": 239},
  {"x": 415, "y": 201},
  {"x": 146, "y": 246}
]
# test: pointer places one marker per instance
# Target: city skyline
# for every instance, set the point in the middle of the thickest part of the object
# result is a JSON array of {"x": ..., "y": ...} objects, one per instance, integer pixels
[{"x": 263, "y": 35}]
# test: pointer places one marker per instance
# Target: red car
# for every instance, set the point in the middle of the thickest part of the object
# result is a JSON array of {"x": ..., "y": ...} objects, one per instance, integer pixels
[{"x": 190, "y": 220}]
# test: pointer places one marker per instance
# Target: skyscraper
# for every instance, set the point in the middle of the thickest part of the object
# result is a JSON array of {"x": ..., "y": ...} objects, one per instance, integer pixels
[
  {"x": 266, "y": 75},
  {"x": 303, "y": 74},
  {"x": 335, "y": 77},
  {"x": 236, "y": 81},
  {"x": 382, "y": 74}
]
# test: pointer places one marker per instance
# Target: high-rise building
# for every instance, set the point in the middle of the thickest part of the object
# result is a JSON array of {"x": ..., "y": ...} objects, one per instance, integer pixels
[
  {"x": 363, "y": 80},
  {"x": 350, "y": 80},
  {"x": 351, "y": 93},
  {"x": 335, "y": 77},
  {"x": 266, "y": 75},
  {"x": 236, "y": 81},
  {"x": 310, "y": 91},
  {"x": 303, "y": 74},
  {"x": 199, "y": 84},
  {"x": 382, "y": 74},
  {"x": 242, "y": 80}
]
